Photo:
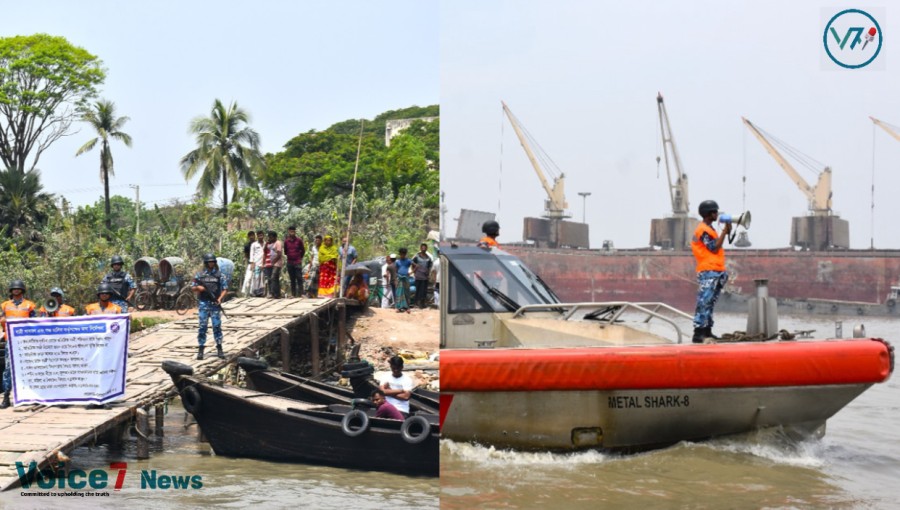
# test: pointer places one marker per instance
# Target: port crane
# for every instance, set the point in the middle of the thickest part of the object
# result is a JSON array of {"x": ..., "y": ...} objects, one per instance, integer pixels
[
  {"x": 822, "y": 229},
  {"x": 555, "y": 206},
  {"x": 678, "y": 188},
  {"x": 819, "y": 196}
]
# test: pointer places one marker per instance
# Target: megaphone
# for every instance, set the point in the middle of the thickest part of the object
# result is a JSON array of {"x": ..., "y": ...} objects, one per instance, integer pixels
[
  {"x": 742, "y": 221},
  {"x": 51, "y": 305}
]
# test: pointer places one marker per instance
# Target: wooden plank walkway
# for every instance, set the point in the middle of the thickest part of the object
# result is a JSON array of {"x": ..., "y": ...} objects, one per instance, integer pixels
[{"x": 36, "y": 433}]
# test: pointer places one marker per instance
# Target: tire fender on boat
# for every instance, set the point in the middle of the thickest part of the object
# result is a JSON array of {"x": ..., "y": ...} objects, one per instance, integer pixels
[
  {"x": 411, "y": 422},
  {"x": 346, "y": 423},
  {"x": 190, "y": 398}
]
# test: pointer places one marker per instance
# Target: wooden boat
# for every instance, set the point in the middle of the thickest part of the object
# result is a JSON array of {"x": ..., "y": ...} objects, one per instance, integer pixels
[
  {"x": 245, "y": 423},
  {"x": 520, "y": 369},
  {"x": 262, "y": 378}
]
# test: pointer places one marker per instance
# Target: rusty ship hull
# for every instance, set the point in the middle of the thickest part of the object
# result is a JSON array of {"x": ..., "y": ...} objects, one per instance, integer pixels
[{"x": 806, "y": 280}]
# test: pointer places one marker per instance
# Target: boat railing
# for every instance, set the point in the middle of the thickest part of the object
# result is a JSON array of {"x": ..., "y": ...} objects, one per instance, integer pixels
[{"x": 615, "y": 310}]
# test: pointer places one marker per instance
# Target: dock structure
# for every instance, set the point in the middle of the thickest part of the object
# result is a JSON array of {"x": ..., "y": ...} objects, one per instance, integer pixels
[{"x": 43, "y": 434}]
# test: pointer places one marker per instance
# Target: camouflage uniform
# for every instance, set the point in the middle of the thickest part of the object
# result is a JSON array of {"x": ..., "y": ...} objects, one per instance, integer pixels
[{"x": 711, "y": 284}]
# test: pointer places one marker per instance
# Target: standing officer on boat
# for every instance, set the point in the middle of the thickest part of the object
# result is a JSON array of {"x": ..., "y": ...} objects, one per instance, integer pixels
[
  {"x": 210, "y": 285},
  {"x": 709, "y": 253},
  {"x": 16, "y": 306}
]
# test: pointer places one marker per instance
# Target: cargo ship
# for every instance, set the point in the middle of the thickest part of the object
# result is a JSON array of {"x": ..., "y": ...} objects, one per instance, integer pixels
[
  {"x": 817, "y": 274},
  {"x": 861, "y": 282}
]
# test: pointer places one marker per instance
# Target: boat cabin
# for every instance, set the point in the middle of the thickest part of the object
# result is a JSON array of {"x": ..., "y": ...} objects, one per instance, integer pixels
[{"x": 490, "y": 299}]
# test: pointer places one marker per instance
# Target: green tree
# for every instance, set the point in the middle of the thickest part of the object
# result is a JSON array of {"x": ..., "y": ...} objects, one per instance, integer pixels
[
  {"x": 102, "y": 117},
  {"x": 24, "y": 207},
  {"x": 226, "y": 148},
  {"x": 44, "y": 83}
]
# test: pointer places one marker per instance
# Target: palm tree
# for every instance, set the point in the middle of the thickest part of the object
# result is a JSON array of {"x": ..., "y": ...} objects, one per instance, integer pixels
[
  {"x": 226, "y": 149},
  {"x": 23, "y": 203},
  {"x": 102, "y": 117}
]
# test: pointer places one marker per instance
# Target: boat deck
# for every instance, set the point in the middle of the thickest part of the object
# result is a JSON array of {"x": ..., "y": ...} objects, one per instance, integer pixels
[{"x": 37, "y": 433}]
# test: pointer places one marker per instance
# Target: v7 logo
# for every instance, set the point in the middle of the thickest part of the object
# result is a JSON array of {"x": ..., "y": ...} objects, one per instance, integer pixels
[{"x": 852, "y": 30}]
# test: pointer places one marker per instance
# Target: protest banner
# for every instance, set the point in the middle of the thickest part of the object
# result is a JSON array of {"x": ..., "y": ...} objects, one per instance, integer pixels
[{"x": 68, "y": 360}]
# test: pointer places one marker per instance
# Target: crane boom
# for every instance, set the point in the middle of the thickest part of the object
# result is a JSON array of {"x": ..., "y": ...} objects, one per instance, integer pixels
[
  {"x": 819, "y": 196},
  {"x": 555, "y": 206},
  {"x": 887, "y": 128},
  {"x": 678, "y": 189}
]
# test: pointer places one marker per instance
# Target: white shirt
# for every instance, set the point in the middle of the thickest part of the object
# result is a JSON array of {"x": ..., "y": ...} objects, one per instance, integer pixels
[
  {"x": 256, "y": 254},
  {"x": 397, "y": 383}
]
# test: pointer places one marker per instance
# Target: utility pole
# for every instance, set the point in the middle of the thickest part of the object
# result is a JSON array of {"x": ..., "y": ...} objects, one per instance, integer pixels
[
  {"x": 584, "y": 195},
  {"x": 137, "y": 207}
]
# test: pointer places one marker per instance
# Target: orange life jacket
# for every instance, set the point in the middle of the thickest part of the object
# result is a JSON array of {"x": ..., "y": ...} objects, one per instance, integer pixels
[
  {"x": 707, "y": 260},
  {"x": 63, "y": 311},
  {"x": 23, "y": 309},
  {"x": 488, "y": 242},
  {"x": 11, "y": 309},
  {"x": 94, "y": 309}
]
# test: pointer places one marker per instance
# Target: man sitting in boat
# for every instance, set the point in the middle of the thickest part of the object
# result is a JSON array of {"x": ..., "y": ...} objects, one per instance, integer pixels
[
  {"x": 398, "y": 387},
  {"x": 383, "y": 408},
  {"x": 709, "y": 253}
]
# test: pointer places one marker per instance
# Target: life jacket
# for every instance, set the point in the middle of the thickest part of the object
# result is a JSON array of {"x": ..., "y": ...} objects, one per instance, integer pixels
[
  {"x": 213, "y": 283},
  {"x": 117, "y": 281},
  {"x": 94, "y": 309},
  {"x": 23, "y": 309},
  {"x": 707, "y": 260},
  {"x": 488, "y": 242},
  {"x": 63, "y": 311}
]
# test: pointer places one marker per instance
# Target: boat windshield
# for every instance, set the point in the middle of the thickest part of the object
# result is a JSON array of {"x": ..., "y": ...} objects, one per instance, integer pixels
[{"x": 502, "y": 282}]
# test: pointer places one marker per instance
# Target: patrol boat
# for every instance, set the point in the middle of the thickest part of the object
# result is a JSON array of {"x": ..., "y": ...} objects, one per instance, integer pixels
[{"x": 520, "y": 369}]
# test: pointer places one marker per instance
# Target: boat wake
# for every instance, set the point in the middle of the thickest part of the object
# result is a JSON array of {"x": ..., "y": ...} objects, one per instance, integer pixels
[{"x": 489, "y": 455}]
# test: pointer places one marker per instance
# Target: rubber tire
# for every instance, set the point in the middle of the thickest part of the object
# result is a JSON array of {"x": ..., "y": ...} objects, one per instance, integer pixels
[
  {"x": 891, "y": 303},
  {"x": 190, "y": 399},
  {"x": 252, "y": 365},
  {"x": 176, "y": 368},
  {"x": 349, "y": 417},
  {"x": 408, "y": 423},
  {"x": 362, "y": 402},
  {"x": 183, "y": 303},
  {"x": 355, "y": 365},
  {"x": 143, "y": 300}
]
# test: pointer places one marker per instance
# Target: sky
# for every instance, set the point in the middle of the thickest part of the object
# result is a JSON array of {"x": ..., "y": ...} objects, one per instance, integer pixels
[
  {"x": 294, "y": 66},
  {"x": 582, "y": 76}
]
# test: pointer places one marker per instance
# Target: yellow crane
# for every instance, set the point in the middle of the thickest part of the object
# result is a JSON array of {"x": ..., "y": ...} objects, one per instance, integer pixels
[
  {"x": 678, "y": 188},
  {"x": 887, "y": 127},
  {"x": 555, "y": 206},
  {"x": 819, "y": 196}
]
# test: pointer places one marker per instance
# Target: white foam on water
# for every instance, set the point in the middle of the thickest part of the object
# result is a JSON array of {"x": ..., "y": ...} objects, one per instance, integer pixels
[
  {"x": 491, "y": 456},
  {"x": 775, "y": 446}
]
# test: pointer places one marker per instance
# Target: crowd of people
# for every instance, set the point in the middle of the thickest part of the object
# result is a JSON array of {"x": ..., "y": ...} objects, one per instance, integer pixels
[{"x": 316, "y": 272}]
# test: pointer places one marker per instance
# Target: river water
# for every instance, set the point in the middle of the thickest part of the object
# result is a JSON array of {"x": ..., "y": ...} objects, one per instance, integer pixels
[
  {"x": 855, "y": 465},
  {"x": 226, "y": 482}
]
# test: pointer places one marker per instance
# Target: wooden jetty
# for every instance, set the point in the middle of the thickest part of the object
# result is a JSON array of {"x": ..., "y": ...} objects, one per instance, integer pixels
[{"x": 40, "y": 433}]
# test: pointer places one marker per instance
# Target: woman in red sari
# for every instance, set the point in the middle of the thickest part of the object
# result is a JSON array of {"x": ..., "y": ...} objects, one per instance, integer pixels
[{"x": 328, "y": 257}]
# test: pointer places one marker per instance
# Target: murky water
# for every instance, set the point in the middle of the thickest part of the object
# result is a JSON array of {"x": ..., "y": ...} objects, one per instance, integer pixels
[
  {"x": 226, "y": 482},
  {"x": 856, "y": 464}
]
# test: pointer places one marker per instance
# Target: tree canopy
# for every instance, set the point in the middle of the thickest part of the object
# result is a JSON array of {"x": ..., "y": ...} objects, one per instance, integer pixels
[
  {"x": 226, "y": 148},
  {"x": 102, "y": 118},
  {"x": 317, "y": 165},
  {"x": 44, "y": 84}
]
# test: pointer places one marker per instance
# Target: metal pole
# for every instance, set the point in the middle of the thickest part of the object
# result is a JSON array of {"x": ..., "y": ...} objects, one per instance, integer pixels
[
  {"x": 584, "y": 195},
  {"x": 137, "y": 207}
]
